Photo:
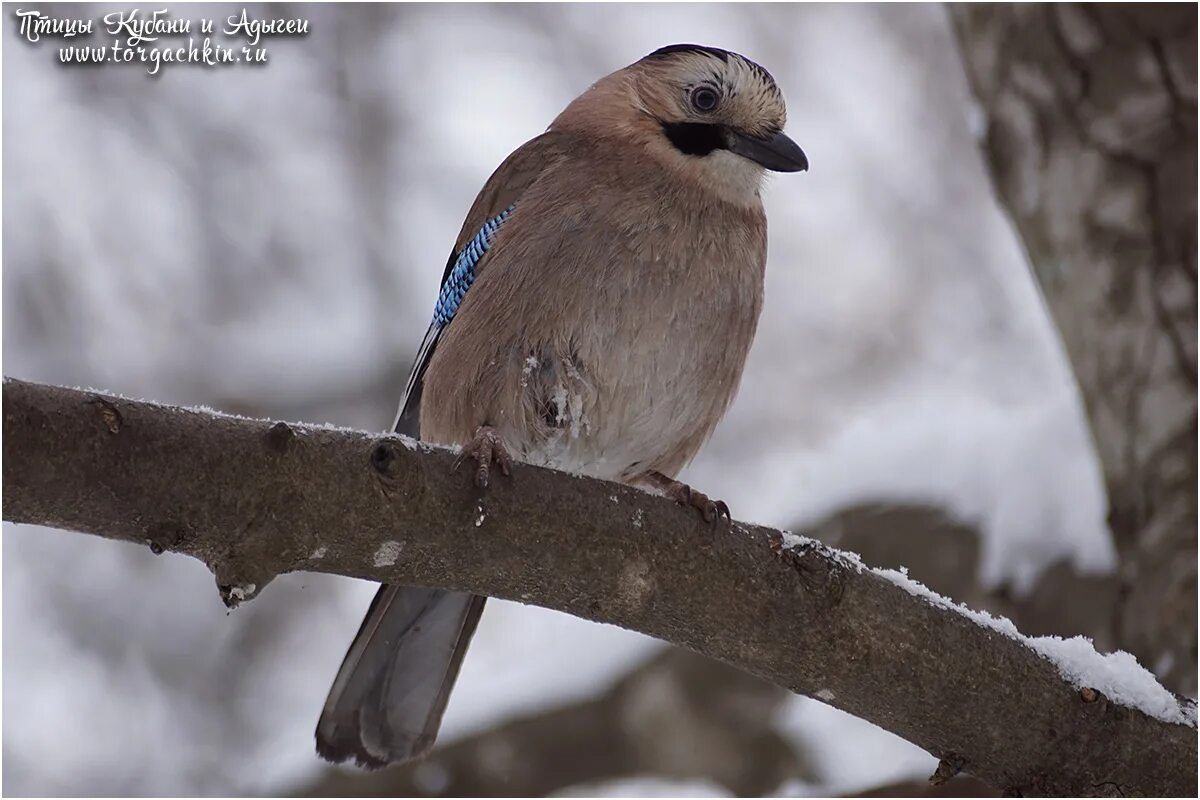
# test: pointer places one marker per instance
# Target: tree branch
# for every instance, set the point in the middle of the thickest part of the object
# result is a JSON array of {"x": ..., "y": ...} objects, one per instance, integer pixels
[{"x": 253, "y": 499}]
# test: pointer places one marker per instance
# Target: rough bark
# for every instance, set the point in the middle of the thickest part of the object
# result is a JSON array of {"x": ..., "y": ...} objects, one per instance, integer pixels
[
  {"x": 1091, "y": 139},
  {"x": 253, "y": 499},
  {"x": 960, "y": 786}
]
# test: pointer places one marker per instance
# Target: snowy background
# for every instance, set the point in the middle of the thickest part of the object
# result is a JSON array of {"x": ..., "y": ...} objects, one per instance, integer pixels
[{"x": 270, "y": 240}]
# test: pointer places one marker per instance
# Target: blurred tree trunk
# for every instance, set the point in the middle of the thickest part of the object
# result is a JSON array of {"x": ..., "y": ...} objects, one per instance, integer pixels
[
  {"x": 1090, "y": 118},
  {"x": 678, "y": 716}
]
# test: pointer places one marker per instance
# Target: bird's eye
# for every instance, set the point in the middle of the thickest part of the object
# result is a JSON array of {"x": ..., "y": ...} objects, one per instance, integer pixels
[{"x": 704, "y": 99}]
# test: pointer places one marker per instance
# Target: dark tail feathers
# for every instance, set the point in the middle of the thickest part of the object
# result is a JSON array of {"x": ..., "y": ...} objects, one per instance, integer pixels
[{"x": 387, "y": 701}]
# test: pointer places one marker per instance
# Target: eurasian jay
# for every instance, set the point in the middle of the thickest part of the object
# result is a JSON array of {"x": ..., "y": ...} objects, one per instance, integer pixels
[{"x": 594, "y": 316}]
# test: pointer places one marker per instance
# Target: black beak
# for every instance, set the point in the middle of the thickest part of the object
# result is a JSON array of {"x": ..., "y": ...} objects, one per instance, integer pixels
[{"x": 777, "y": 153}]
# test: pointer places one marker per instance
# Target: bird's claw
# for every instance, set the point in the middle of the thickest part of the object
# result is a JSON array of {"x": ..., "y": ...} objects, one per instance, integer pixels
[
  {"x": 723, "y": 510},
  {"x": 710, "y": 509},
  {"x": 484, "y": 448},
  {"x": 685, "y": 495}
]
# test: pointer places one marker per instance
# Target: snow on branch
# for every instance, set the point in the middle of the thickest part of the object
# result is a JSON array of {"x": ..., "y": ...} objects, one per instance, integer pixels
[{"x": 253, "y": 499}]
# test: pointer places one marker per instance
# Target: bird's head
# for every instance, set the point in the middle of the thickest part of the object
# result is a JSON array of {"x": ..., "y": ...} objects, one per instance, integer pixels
[{"x": 713, "y": 113}]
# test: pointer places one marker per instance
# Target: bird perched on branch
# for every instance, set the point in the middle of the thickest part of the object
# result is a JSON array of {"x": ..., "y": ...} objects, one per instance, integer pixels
[{"x": 594, "y": 316}]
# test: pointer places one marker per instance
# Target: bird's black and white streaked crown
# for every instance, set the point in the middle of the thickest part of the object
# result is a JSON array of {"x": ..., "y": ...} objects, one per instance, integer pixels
[{"x": 713, "y": 52}]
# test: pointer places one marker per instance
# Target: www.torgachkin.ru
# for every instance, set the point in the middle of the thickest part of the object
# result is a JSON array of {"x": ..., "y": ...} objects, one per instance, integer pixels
[{"x": 205, "y": 53}]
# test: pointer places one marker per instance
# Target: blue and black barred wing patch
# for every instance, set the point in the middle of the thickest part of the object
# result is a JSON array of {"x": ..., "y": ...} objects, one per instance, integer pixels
[
  {"x": 462, "y": 275},
  {"x": 457, "y": 281}
]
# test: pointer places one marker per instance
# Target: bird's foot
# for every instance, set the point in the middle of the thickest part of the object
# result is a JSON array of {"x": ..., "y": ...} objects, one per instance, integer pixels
[
  {"x": 484, "y": 448},
  {"x": 685, "y": 495}
]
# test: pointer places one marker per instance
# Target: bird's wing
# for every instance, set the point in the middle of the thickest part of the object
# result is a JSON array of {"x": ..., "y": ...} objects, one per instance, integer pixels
[{"x": 488, "y": 213}]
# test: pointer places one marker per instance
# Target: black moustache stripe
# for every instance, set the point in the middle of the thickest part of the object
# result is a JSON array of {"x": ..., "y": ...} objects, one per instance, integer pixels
[{"x": 694, "y": 138}]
